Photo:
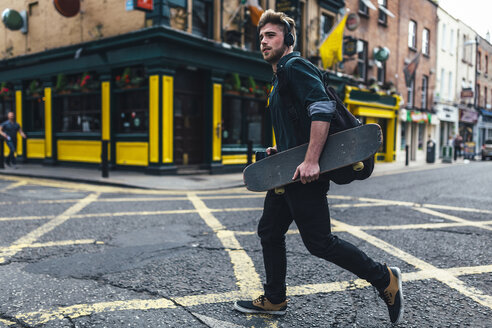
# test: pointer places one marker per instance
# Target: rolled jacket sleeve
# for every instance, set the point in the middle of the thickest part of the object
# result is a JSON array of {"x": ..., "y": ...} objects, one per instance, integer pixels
[{"x": 308, "y": 91}]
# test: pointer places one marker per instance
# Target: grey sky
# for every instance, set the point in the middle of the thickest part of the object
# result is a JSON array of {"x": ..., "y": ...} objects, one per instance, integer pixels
[{"x": 474, "y": 13}]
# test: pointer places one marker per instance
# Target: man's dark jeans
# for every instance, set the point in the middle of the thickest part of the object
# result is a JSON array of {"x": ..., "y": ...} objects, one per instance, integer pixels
[
  {"x": 308, "y": 207},
  {"x": 12, "y": 144}
]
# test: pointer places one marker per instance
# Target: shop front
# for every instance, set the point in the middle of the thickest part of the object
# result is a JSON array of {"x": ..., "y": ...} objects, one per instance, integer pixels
[
  {"x": 484, "y": 126},
  {"x": 468, "y": 130},
  {"x": 416, "y": 128},
  {"x": 372, "y": 107},
  {"x": 448, "y": 119},
  {"x": 159, "y": 106}
]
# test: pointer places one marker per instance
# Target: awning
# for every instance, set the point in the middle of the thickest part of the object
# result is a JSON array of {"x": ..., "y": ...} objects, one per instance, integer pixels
[{"x": 486, "y": 113}]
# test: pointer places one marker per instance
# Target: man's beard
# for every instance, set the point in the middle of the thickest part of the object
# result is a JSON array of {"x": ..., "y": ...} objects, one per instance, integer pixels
[{"x": 275, "y": 55}]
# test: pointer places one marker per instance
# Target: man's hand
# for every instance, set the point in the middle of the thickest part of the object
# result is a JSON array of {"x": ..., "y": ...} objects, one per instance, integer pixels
[
  {"x": 307, "y": 172},
  {"x": 271, "y": 150}
]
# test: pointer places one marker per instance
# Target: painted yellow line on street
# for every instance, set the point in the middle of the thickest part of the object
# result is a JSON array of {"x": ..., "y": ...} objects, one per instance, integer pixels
[
  {"x": 478, "y": 224},
  {"x": 80, "y": 310},
  {"x": 420, "y": 226},
  {"x": 14, "y": 185},
  {"x": 454, "y": 208},
  {"x": 441, "y": 275},
  {"x": 25, "y": 218},
  {"x": 248, "y": 280},
  {"x": 359, "y": 205},
  {"x": 34, "y": 235},
  {"x": 43, "y": 316},
  {"x": 54, "y": 244},
  {"x": 7, "y": 322}
]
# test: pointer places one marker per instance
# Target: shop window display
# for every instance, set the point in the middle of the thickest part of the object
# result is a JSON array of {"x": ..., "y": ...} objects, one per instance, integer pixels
[
  {"x": 33, "y": 107},
  {"x": 244, "y": 113},
  {"x": 7, "y": 102},
  {"x": 131, "y": 101},
  {"x": 77, "y": 103}
]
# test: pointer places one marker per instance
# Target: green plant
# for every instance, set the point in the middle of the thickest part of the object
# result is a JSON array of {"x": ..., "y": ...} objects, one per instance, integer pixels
[
  {"x": 236, "y": 82},
  {"x": 61, "y": 82},
  {"x": 5, "y": 91},
  {"x": 35, "y": 88}
]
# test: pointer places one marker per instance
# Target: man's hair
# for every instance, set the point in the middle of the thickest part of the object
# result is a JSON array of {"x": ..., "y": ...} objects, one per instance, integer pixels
[{"x": 278, "y": 18}]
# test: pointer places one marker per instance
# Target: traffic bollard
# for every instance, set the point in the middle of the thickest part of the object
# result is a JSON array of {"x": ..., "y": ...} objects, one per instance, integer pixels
[
  {"x": 406, "y": 155},
  {"x": 104, "y": 159},
  {"x": 2, "y": 158},
  {"x": 250, "y": 152}
]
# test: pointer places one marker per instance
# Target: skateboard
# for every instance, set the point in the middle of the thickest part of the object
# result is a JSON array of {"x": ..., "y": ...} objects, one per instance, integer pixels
[{"x": 348, "y": 147}]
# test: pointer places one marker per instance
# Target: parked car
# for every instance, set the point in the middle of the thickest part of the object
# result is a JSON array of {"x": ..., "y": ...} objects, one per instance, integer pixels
[{"x": 487, "y": 149}]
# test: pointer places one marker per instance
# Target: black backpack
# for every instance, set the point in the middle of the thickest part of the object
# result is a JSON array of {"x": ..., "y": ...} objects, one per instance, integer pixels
[{"x": 342, "y": 120}]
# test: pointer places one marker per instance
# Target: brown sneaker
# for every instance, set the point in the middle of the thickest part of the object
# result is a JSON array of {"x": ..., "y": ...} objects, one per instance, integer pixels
[
  {"x": 261, "y": 305},
  {"x": 393, "y": 295}
]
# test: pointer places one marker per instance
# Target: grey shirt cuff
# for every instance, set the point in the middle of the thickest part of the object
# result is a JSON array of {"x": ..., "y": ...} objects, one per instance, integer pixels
[{"x": 324, "y": 108}]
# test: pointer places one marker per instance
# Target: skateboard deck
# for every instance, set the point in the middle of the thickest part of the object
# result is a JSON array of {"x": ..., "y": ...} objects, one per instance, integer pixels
[{"x": 341, "y": 149}]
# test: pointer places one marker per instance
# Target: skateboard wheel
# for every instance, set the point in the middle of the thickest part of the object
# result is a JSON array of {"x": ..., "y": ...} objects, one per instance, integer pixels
[
  {"x": 279, "y": 191},
  {"x": 359, "y": 166}
]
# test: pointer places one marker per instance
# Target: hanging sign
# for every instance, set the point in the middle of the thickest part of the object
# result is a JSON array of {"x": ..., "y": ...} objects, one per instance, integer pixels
[
  {"x": 349, "y": 46},
  {"x": 418, "y": 117},
  {"x": 352, "y": 22},
  {"x": 144, "y": 5},
  {"x": 67, "y": 8}
]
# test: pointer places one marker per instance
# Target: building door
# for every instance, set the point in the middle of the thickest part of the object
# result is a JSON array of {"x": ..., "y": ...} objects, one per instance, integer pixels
[{"x": 189, "y": 103}]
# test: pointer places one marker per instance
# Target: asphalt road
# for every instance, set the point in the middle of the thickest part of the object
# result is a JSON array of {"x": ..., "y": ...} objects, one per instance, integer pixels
[{"x": 75, "y": 255}]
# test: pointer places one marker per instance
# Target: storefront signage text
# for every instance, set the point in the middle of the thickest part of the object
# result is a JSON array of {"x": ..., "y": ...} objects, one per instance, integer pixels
[{"x": 418, "y": 117}]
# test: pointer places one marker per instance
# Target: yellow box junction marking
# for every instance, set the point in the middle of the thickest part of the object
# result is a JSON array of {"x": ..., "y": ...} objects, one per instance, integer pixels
[
  {"x": 244, "y": 269},
  {"x": 34, "y": 235},
  {"x": 248, "y": 280},
  {"x": 15, "y": 185}
]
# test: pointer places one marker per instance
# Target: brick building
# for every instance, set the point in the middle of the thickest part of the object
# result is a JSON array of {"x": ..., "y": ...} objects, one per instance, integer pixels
[
  {"x": 483, "y": 95},
  {"x": 418, "y": 26}
]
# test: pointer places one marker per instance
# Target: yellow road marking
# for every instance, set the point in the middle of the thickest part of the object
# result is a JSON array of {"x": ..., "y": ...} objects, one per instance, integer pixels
[
  {"x": 75, "y": 311},
  {"x": 54, "y": 244},
  {"x": 478, "y": 224},
  {"x": 7, "y": 322},
  {"x": 248, "y": 279},
  {"x": 23, "y": 218},
  {"x": 80, "y": 310},
  {"x": 441, "y": 275},
  {"x": 34, "y": 235},
  {"x": 14, "y": 185}
]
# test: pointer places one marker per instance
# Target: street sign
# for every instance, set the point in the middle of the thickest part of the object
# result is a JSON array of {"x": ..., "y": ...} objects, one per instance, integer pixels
[
  {"x": 353, "y": 22},
  {"x": 144, "y": 5}
]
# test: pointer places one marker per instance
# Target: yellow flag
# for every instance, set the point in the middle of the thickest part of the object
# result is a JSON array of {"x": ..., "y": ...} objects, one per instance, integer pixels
[{"x": 331, "y": 49}]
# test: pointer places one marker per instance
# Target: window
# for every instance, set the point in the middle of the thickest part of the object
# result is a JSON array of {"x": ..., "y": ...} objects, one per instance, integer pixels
[
  {"x": 412, "y": 34},
  {"x": 382, "y": 18},
  {"x": 464, "y": 48},
  {"x": 443, "y": 37},
  {"x": 479, "y": 61},
  {"x": 441, "y": 86},
  {"x": 425, "y": 41},
  {"x": 244, "y": 119},
  {"x": 363, "y": 9},
  {"x": 425, "y": 85},
  {"x": 451, "y": 42},
  {"x": 78, "y": 112},
  {"x": 362, "y": 59},
  {"x": 33, "y": 114},
  {"x": 477, "y": 94},
  {"x": 410, "y": 93},
  {"x": 486, "y": 65},
  {"x": 326, "y": 23},
  {"x": 485, "y": 97},
  {"x": 382, "y": 72},
  {"x": 450, "y": 86},
  {"x": 7, "y": 100},
  {"x": 202, "y": 23},
  {"x": 131, "y": 100}
]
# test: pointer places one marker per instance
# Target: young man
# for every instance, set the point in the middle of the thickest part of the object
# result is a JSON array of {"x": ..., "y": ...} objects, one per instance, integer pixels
[
  {"x": 8, "y": 130},
  {"x": 298, "y": 83}
]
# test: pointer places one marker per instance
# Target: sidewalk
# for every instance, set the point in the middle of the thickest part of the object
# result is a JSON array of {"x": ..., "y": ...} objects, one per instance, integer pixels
[{"x": 133, "y": 179}]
